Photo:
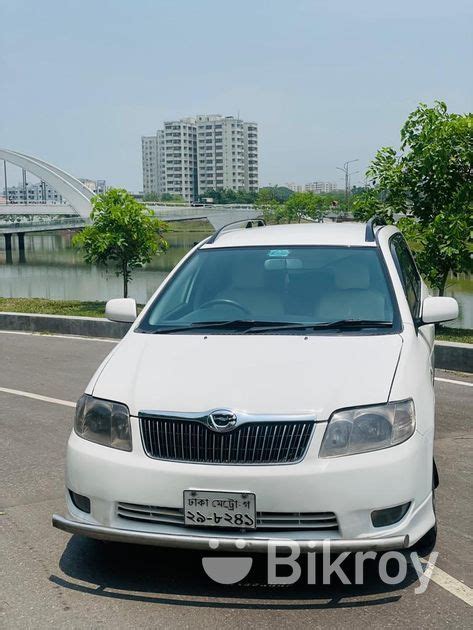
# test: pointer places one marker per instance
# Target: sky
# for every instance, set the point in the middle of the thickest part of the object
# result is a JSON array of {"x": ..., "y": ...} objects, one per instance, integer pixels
[{"x": 327, "y": 80}]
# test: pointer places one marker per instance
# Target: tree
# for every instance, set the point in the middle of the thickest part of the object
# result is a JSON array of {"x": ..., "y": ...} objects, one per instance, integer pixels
[
  {"x": 172, "y": 197},
  {"x": 124, "y": 233},
  {"x": 442, "y": 246},
  {"x": 304, "y": 205},
  {"x": 279, "y": 194},
  {"x": 297, "y": 206},
  {"x": 429, "y": 184},
  {"x": 228, "y": 195},
  {"x": 273, "y": 212},
  {"x": 151, "y": 196}
]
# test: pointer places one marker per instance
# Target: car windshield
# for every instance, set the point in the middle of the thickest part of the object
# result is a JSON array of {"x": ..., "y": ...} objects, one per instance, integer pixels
[{"x": 258, "y": 289}]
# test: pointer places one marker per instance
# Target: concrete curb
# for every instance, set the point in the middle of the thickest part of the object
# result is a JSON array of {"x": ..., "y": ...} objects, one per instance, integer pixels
[
  {"x": 454, "y": 356},
  {"x": 457, "y": 357},
  {"x": 59, "y": 324}
]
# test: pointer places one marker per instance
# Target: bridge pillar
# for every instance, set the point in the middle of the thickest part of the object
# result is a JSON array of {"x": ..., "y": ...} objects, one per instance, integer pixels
[
  {"x": 8, "y": 252},
  {"x": 21, "y": 247}
]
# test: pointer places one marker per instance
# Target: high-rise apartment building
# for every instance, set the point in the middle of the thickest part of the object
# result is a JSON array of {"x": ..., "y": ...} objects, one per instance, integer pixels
[
  {"x": 314, "y": 187},
  {"x": 321, "y": 187},
  {"x": 150, "y": 145},
  {"x": 193, "y": 155},
  {"x": 177, "y": 159}
]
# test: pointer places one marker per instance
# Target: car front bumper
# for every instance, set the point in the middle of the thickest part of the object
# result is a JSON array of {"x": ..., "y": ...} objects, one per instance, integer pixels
[
  {"x": 225, "y": 543},
  {"x": 350, "y": 487}
]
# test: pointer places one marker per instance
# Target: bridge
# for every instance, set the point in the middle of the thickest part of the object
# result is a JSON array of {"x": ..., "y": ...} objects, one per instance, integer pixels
[
  {"x": 70, "y": 188},
  {"x": 217, "y": 217},
  {"x": 21, "y": 219}
]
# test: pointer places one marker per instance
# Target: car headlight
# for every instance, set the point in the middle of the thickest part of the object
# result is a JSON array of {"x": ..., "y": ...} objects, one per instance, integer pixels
[
  {"x": 103, "y": 422},
  {"x": 370, "y": 428}
]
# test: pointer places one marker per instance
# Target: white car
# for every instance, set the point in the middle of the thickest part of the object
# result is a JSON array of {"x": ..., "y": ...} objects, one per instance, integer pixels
[{"x": 278, "y": 385}]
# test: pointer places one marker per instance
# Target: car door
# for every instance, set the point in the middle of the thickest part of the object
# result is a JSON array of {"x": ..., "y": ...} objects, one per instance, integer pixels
[{"x": 415, "y": 291}]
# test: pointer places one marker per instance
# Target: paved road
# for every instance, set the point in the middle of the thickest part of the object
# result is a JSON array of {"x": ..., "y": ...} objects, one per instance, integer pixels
[{"x": 48, "y": 578}]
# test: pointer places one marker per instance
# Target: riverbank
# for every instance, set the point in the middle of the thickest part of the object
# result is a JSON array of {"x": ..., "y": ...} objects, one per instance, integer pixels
[{"x": 97, "y": 309}]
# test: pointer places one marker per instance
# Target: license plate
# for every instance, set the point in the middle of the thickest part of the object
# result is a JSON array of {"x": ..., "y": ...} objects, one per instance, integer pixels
[{"x": 220, "y": 509}]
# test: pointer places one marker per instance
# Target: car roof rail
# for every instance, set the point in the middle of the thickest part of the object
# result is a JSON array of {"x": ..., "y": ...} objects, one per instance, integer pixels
[
  {"x": 259, "y": 222},
  {"x": 371, "y": 224}
]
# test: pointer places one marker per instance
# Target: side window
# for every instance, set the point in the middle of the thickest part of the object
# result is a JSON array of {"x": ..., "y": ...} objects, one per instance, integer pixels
[{"x": 408, "y": 273}]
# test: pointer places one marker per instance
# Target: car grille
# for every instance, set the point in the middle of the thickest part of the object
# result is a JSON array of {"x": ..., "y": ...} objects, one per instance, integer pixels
[
  {"x": 251, "y": 443},
  {"x": 264, "y": 520}
]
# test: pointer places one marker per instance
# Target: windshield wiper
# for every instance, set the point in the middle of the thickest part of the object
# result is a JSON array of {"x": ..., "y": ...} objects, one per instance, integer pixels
[
  {"x": 339, "y": 324},
  {"x": 232, "y": 324},
  {"x": 257, "y": 326}
]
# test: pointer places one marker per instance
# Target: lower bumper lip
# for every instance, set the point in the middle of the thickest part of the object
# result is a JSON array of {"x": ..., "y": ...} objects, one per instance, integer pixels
[{"x": 225, "y": 543}]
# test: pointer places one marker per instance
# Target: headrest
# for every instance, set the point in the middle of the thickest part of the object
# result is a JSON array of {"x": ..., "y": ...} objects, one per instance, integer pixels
[
  {"x": 248, "y": 275},
  {"x": 352, "y": 276}
]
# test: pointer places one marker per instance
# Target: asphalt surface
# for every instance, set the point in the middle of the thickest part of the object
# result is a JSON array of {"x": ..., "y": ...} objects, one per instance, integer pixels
[{"x": 50, "y": 579}]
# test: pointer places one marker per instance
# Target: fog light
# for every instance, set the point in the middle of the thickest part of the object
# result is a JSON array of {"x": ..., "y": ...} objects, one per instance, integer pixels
[
  {"x": 82, "y": 503},
  {"x": 389, "y": 516}
]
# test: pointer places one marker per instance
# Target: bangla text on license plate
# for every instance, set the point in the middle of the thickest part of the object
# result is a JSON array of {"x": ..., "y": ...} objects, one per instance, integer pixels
[{"x": 220, "y": 509}]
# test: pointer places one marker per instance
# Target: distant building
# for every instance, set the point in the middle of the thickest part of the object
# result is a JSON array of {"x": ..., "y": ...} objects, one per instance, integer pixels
[
  {"x": 321, "y": 187},
  {"x": 152, "y": 150},
  {"x": 227, "y": 152},
  {"x": 294, "y": 187},
  {"x": 314, "y": 187},
  {"x": 33, "y": 193},
  {"x": 43, "y": 193},
  {"x": 192, "y": 155},
  {"x": 97, "y": 186}
]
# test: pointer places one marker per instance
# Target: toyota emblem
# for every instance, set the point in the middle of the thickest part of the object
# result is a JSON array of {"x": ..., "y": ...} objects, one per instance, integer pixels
[{"x": 221, "y": 420}]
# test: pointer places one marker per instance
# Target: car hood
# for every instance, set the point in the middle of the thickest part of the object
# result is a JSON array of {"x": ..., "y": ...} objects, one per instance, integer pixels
[{"x": 276, "y": 374}]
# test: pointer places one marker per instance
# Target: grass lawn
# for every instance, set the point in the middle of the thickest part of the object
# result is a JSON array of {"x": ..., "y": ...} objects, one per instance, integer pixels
[
  {"x": 190, "y": 226},
  {"x": 97, "y": 309},
  {"x": 52, "y": 307},
  {"x": 460, "y": 335}
]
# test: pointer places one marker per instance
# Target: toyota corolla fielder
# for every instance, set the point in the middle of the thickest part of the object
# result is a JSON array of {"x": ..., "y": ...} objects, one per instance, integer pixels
[{"x": 278, "y": 385}]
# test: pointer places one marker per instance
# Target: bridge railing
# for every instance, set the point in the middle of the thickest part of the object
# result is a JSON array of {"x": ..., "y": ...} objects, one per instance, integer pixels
[{"x": 19, "y": 225}]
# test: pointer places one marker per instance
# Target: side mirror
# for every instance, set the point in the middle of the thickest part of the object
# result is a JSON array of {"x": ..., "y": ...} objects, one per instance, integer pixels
[
  {"x": 121, "y": 310},
  {"x": 439, "y": 309}
]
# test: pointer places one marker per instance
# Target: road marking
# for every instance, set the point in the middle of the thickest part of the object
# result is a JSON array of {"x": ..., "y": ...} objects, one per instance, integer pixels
[
  {"x": 449, "y": 380},
  {"x": 56, "y": 401},
  {"x": 46, "y": 335},
  {"x": 449, "y": 583}
]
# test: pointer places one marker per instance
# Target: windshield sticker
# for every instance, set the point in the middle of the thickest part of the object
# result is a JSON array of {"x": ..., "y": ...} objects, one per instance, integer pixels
[{"x": 278, "y": 253}]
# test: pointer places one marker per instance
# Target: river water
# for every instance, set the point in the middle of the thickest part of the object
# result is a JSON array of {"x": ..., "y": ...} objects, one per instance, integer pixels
[{"x": 55, "y": 270}]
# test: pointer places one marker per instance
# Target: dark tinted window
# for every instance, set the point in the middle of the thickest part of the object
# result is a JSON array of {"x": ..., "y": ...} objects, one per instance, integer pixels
[{"x": 408, "y": 273}]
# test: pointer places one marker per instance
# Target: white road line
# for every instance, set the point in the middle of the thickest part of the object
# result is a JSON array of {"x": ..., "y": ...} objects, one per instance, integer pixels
[
  {"x": 56, "y": 401},
  {"x": 449, "y": 380},
  {"x": 47, "y": 335},
  {"x": 449, "y": 583}
]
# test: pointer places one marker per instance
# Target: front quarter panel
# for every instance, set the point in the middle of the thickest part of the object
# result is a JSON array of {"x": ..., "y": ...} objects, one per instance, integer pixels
[{"x": 413, "y": 379}]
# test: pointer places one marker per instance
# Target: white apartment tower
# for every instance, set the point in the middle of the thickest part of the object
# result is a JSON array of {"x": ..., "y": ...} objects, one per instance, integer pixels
[
  {"x": 151, "y": 148},
  {"x": 192, "y": 155},
  {"x": 176, "y": 159},
  {"x": 321, "y": 187}
]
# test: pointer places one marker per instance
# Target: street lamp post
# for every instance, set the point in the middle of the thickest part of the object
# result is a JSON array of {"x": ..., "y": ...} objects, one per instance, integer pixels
[
  {"x": 347, "y": 173},
  {"x": 5, "y": 178}
]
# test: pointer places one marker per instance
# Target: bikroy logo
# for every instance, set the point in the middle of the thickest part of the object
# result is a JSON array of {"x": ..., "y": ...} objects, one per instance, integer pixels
[
  {"x": 227, "y": 569},
  {"x": 233, "y": 569}
]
